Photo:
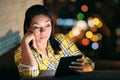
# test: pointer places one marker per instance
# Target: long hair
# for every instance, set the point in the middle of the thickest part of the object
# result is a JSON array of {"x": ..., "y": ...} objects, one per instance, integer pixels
[{"x": 38, "y": 10}]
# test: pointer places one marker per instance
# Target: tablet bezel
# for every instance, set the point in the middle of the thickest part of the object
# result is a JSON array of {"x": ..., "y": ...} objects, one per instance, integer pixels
[{"x": 63, "y": 66}]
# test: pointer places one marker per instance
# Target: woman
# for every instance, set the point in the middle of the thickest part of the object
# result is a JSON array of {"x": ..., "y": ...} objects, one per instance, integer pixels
[{"x": 41, "y": 50}]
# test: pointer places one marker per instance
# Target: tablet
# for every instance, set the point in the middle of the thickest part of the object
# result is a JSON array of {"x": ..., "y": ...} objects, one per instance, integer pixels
[{"x": 63, "y": 66}]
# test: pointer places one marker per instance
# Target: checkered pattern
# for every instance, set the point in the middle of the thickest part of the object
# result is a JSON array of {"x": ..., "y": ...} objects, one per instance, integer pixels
[{"x": 50, "y": 63}]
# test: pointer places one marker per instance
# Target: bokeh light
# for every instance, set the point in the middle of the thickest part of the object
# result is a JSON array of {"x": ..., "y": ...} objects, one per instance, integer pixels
[
  {"x": 95, "y": 38},
  {"x": 66, "y": 23},
  {"x": 69, "y": 22},
  {"x": 82, "y": 24},
  {"x": 99, "y": 36},
  {"x": 99, "y": 25},
  {"x": 75, "y": 31},
  {"x": 84, "y": 8},
  {"x": 93, "y": 29},
  {"x": 117, "y": 31},
  {"x": 95, "y": 45},
  {"x": 60, "y": 21},
  {"x": 89, "y": 34},
  {"x": 80, "y": 16},
  {"x": 96, "y": 21},
  {"x": 90, "y": 23},
  {"x": 85, "y": 42}
]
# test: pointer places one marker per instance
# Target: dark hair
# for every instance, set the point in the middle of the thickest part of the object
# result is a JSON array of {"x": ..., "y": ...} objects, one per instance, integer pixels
[{"x": 37, "y": 10}]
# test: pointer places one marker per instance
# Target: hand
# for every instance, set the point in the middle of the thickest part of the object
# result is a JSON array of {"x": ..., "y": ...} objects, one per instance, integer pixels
[
  {"x": 80, "y": 66},
  {"x": 28, "y": 37}
]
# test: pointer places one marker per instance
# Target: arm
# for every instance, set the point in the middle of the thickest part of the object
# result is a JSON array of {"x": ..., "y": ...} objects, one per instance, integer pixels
[
  {"x": 24, "y": 59},
  {"x": 83, "y": 64},
  {"x": 27, "y": 56}
]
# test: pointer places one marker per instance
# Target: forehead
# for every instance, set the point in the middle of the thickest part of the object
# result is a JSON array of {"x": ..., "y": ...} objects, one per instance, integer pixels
[{"x": 40, "y": 19}]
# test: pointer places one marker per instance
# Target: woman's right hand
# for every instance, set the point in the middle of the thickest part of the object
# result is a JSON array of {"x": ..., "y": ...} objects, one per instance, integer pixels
[
  {"x": 28, "y": 37},
  {"x": 27, "y": 56}
]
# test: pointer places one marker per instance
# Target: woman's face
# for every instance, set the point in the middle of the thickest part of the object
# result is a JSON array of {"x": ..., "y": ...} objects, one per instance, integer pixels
[{"x": 41, "y": 28}]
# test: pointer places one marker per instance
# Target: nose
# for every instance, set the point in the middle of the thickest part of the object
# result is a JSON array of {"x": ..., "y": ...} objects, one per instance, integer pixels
[{"x": 42, "y": 29}]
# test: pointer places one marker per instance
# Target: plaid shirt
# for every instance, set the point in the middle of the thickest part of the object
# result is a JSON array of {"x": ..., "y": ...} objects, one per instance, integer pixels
[{"x": 68, "y": 48}]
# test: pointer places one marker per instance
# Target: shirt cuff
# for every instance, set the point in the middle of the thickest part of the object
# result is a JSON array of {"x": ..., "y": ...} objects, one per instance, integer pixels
[{"x": 28, "y": 67}]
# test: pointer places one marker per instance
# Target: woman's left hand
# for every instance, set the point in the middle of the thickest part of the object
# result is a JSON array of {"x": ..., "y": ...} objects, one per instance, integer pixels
[{"x": 80, "y": 66}]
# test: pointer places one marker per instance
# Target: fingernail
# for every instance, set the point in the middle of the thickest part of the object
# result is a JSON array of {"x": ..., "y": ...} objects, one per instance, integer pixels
[
  {"x": 72, "y": 62},
  {"x": 78, "y": 60},
  {"x": 70, "y": 66}
]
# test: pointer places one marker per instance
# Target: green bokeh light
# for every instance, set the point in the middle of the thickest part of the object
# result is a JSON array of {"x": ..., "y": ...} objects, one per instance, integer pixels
[{"x": 80, "y": 16}]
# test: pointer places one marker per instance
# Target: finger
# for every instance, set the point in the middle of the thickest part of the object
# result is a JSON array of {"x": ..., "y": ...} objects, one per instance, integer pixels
[
  {"x": 80, "y": 60},
  {"x": 76, "y": 67},
  {"x": 78, "y": 71},
  {"x": 34, "y": 43},
  {"x": 77, "y": 63}
]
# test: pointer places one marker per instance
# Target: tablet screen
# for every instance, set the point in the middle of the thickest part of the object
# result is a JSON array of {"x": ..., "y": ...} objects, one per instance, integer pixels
[{"x": 63, "y": 66}]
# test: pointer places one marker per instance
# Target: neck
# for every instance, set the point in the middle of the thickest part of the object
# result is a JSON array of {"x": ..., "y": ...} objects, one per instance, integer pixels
[{"x": 42, "y": 46}]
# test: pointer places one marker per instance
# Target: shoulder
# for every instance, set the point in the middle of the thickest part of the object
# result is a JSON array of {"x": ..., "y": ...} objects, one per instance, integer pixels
[
  {"x": 62, "y": 38},
  {"x": 59, "y": 35},
  {"x": 17, "y": 55}
]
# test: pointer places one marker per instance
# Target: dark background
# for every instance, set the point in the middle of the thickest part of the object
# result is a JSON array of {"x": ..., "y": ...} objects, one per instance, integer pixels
[{"x": 106, "y": 10}]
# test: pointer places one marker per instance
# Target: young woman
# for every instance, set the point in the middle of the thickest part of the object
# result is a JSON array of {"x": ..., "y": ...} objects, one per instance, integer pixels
[{"x": 41, "y": 49}]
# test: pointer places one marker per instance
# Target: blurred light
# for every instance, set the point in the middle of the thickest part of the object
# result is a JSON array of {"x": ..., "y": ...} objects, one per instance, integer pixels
[
  {"x": 80, "y": 16},
  {"x": 69, "y": 22},
  {"x": 118, "y": 41},
  {"x": 117, "y": 31},
  {"x": 99, "y": 25},
  {"x": 82, "y": 24},
  {"x": 66, "y": 23},
  {"x": 96, "y": 21},
  {"x": 85, "y": 42},
  {"x": 93, "y": 29},
  {"x": 94, "y": 38},
  {"x": 90, "y": 23},
  {"x": 84, "y": 8},
  {"x": 89, "y": 34},
  {"x": 99, "y": 36},
  {"x": 95, "y": 46},
  {"x": 60, "y": 21},
  {"x": 75, "y": 31}
]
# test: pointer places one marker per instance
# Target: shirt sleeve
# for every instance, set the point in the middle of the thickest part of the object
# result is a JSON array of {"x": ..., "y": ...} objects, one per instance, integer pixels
[
  {"x": 25, "y": 70},
  {"x": 28, "y": 71}
]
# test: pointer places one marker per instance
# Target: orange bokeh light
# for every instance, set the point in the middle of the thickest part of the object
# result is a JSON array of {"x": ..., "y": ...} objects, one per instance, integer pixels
[
  {"x": 84, "y": 8},
  {"x": 85, "y": 42}
]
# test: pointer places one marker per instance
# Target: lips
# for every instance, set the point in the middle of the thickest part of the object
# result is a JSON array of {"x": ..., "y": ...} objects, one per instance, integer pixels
[{"x": 44, "y": 37}]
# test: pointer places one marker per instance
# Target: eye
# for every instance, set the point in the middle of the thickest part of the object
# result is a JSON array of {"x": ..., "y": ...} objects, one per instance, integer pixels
[
  {"x": 48, "y": 25},
  {"x": 35, "y": 27}
]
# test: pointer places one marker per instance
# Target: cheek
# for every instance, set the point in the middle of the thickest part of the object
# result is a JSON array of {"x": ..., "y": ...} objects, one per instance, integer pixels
[
  {"x": 50, "y": 31},
  {"x": 35, "y": 34}
]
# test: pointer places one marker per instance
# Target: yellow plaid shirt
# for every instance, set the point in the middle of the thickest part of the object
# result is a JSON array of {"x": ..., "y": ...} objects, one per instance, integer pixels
[{"x": 68, "y": 48}]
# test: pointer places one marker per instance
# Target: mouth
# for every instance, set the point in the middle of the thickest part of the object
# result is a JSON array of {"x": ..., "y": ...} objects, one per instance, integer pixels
[{"x": 44, "y": 37}]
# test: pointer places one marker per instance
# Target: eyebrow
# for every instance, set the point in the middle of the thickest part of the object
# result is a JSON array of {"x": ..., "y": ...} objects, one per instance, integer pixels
[{"x": 45, "y": 22}]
